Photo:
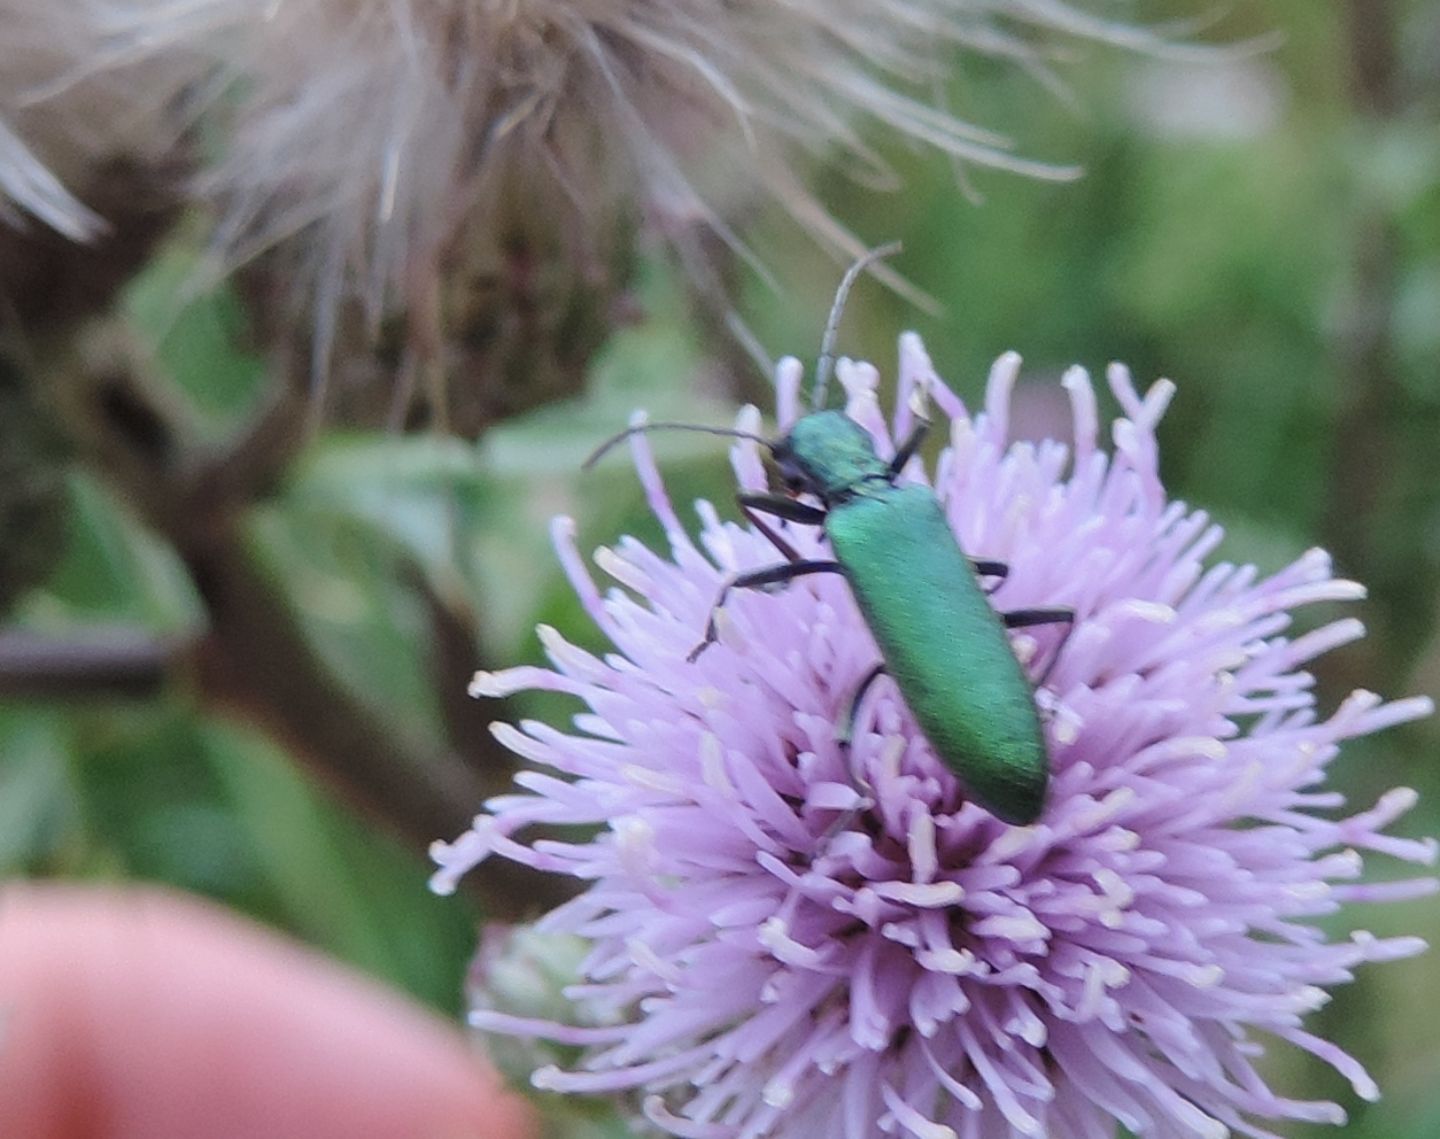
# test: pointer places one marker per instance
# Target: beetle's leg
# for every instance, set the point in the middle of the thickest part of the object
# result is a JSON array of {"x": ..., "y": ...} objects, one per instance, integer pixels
[
  {"x": 990, "y": 569},
  {"x": 844, "y": 736},
  {"x": 757, "y": 579},
  {"x": 846, "y": 731},
  {"x": 787, "y": 551},
  {"x": 1023, "y": 618},
  {"x": 1060, "y": 648},
  {"x": 752, "y": 505},
  {"x": 909, "y": 447},
  {"x": 782, "y": 506}
]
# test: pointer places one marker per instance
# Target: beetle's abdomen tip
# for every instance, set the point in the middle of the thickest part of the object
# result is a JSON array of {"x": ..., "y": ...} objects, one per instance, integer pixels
[{"x": 1020, "y": 811}]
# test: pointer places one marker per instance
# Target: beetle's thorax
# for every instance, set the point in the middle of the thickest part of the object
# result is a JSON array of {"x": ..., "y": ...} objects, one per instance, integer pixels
[{"x": 829, "y": 455}]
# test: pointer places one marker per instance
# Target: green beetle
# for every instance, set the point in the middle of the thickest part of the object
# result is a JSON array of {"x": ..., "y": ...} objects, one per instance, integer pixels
[{"x": 941, "y": 641}]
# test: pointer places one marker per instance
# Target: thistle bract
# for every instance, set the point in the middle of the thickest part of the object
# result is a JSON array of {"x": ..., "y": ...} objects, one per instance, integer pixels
[{"x": 789, "y": 937}]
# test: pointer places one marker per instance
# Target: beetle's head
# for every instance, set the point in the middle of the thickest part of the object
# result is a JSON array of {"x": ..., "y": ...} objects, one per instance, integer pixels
[{"x": 827, "y": 454}]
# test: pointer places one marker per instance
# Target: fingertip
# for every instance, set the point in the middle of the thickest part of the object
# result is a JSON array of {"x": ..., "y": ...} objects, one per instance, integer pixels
[{"x": 133, "y": 1013}]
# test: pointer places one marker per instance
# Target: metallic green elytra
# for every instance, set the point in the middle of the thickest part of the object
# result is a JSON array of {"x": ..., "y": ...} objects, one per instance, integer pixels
[{"x": 943, "y": 644}]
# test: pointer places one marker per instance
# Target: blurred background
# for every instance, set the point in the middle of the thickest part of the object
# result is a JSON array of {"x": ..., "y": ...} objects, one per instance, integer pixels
[{"x": 244, "y": 675}]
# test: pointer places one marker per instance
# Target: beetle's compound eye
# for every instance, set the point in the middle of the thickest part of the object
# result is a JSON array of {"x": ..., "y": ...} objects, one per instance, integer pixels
[{"x": 792, "y": 475}]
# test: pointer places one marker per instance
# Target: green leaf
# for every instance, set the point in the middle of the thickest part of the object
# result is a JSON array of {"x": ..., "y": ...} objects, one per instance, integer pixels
[
  {"x": 114, "y": 570},
  {"x": 37, "y": 807}
]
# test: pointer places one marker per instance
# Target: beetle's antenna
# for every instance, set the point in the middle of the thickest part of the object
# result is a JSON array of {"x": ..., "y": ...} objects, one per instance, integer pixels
[
  {"x": 837, "y": 309},
  {"x": 620, "y": 437}
]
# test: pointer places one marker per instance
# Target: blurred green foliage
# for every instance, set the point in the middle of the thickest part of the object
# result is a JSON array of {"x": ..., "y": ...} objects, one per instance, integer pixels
[{"x": 1226, "y": 233}]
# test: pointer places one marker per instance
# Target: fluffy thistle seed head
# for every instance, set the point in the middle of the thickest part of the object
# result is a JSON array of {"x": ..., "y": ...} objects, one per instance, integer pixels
[
  {"x": 383, "y": 145},
  {"x": 74, "y": 101},
  {"x": 774, "y": 953}
]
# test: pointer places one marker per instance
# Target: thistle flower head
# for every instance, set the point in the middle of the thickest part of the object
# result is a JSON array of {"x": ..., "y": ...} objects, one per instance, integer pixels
[{"x": 794, "y": 937}]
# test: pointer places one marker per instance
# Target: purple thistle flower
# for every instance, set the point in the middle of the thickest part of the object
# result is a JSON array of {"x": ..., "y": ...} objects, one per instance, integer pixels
[{"x": 792, "y": 939}]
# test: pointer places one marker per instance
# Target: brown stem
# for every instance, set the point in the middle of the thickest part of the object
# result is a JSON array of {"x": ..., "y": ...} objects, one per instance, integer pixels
[
  {"x": 1372, "y": 401},
  {"x": 126, "y": 663},
  {"x": 1371, "y": 38}
]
